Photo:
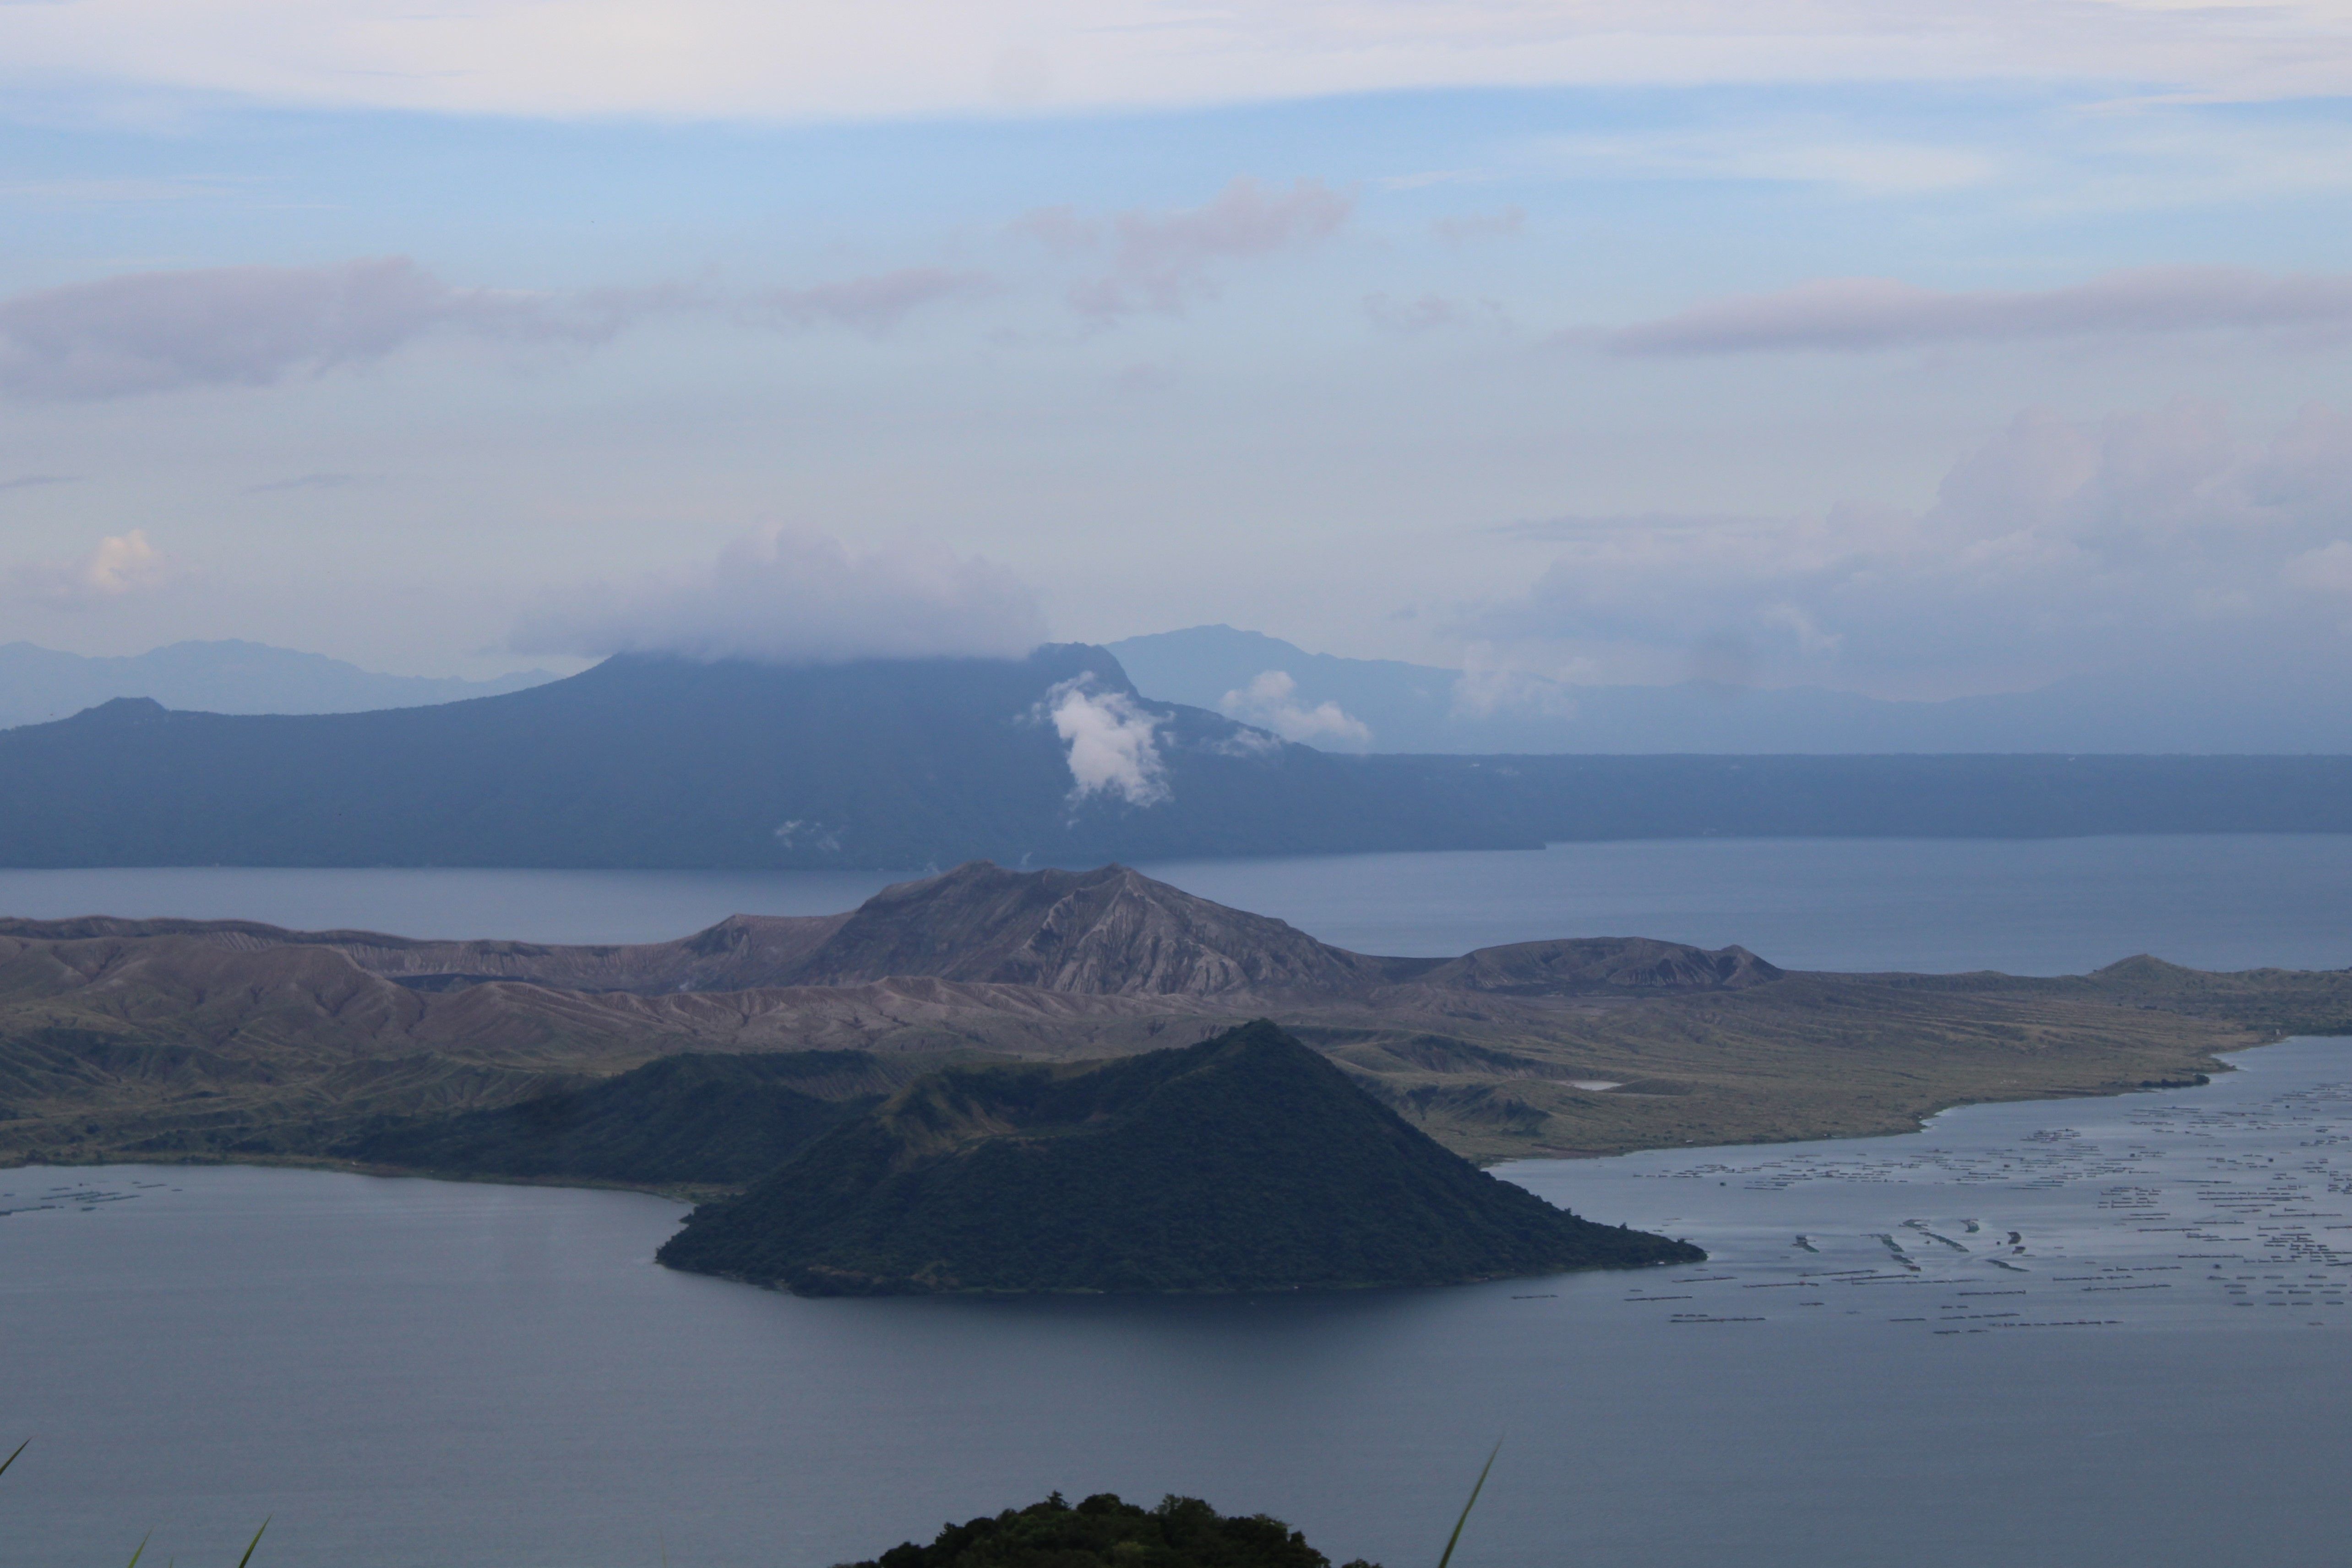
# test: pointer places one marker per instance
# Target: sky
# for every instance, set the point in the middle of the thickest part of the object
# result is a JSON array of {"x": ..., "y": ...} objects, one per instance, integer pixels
[{"x": 1912, "y": 348}]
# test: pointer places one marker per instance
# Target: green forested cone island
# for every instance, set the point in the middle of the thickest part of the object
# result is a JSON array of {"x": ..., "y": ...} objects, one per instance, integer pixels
[
  {"x": 1245, "y": 1162},
  {"x": 1104, "y": 1533}
]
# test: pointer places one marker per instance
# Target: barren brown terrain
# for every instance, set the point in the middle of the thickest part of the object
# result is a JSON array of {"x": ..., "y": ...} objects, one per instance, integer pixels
[{"x": 231, "y": 1040}]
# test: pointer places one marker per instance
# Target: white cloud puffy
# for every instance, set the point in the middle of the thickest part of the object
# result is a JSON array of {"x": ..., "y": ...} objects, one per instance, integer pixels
[
  {"x": 1113, "y": 744},
  {"x": 1848, "y": 314},
  {"x": 2058, "y": 546},
  {"x": 1168, "y": 262},
  {"x": 785, "y": 597},
  {"x": 121, "y": 565},
  {"x": 1271, "y": 701},
  {"x": 837, "y": 58}
]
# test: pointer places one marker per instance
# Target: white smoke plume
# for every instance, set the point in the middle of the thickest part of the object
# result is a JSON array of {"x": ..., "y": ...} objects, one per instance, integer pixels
[
  {"x": 1272, "y": 702},
  {"x": 1113, "y": 744},
  {"x": 800, "y": 598}
]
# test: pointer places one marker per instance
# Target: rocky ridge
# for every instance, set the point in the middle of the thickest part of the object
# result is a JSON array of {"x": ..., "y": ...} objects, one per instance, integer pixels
[{"x": 1109, "y": 932}]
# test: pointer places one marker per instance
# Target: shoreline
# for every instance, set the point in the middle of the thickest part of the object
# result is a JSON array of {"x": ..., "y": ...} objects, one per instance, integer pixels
[
  {"x": 691, "y": 1194},
  {"x": 2204, "y": 1080}
]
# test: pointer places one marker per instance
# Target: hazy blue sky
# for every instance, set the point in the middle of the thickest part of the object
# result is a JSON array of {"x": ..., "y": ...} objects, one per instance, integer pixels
[{"x": 1911, "y": 348}]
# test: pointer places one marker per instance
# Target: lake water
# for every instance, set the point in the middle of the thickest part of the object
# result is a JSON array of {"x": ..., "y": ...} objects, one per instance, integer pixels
[
  {"x": 407, "y": 1372},
  {"x": 2027, "y": 906}
]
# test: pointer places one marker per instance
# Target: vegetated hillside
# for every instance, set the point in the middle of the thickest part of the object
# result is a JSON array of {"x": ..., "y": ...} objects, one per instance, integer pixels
[
  {"x": 1599, "y": 967},
  {"x": 653, "y": 761},
  {"x": 198, "y": 1044},
  {"x": 2274, "y": 1001},
  {"x": 1104, "y": 1533},
  {"x": 694, "y": 1119},
  {"x": 1244, "y": 1162}
]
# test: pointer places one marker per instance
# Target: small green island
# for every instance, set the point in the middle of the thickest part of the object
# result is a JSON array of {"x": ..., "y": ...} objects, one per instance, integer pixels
[
  {"x": 1245, "y": 1162},
  {"x": 1105, "y": 1533}
]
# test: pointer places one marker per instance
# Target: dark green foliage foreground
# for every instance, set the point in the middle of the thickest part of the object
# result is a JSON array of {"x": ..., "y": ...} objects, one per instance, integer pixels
[
  {"x": 1245, "y": 1162},
  {"x": 692, "y": 1118},
  {"x": 1181, "y": 1532}
]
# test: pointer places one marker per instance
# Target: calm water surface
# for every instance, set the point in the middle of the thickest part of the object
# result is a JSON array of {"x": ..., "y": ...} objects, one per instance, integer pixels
[
  {"x": 2027, "y": 906},
  {"x": 1869, "y": 1371}
]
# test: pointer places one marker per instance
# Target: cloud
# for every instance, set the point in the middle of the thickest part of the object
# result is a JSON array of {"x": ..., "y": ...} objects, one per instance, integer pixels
[
  {"x": 255, "y": 326},
  {"x": 2055, "y": 547},
  {"x": 1486, "y": 687},
  {"x": 2327, "y": 569},
  {"x": 832, "y": 59},
  {"x": 1768, "y": 150},
  {"x": 1270, "y": 702},
  {"x": 38, "y": 481},
  {"x": 799, "y": 599},
  {"x": 1430, "y": 313},
  {"x": 121, "y": 564},
  {"x": 1848, "y": 314},
  {"x": 1167, "y": 261},
  {"x": 874, "y": 304},
  {"x": 1113, "y": 744},
  {"x": 234, "y": 326},
  {"x": 307, "y": 483},
  {"x": 1587, "y": 525},
  {"x": 1505, "y": 223}
]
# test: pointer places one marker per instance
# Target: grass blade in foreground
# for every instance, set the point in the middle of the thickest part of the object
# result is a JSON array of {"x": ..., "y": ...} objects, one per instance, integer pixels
[
  {"x": 1458, "y": 1523},
  {"x": 254, "y": 1542},
  {"x": 12, "y": 1458}
]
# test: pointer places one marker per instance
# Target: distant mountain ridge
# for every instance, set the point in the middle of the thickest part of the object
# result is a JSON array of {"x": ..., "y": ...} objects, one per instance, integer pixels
[
  {"x": 38, "y": 684},
  {"x": 1055, "y": 759},
  {"x": 660, "y": 762},
  {"x": 1411, "y": 707},
  {"x": 1344, "y": 704}
]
